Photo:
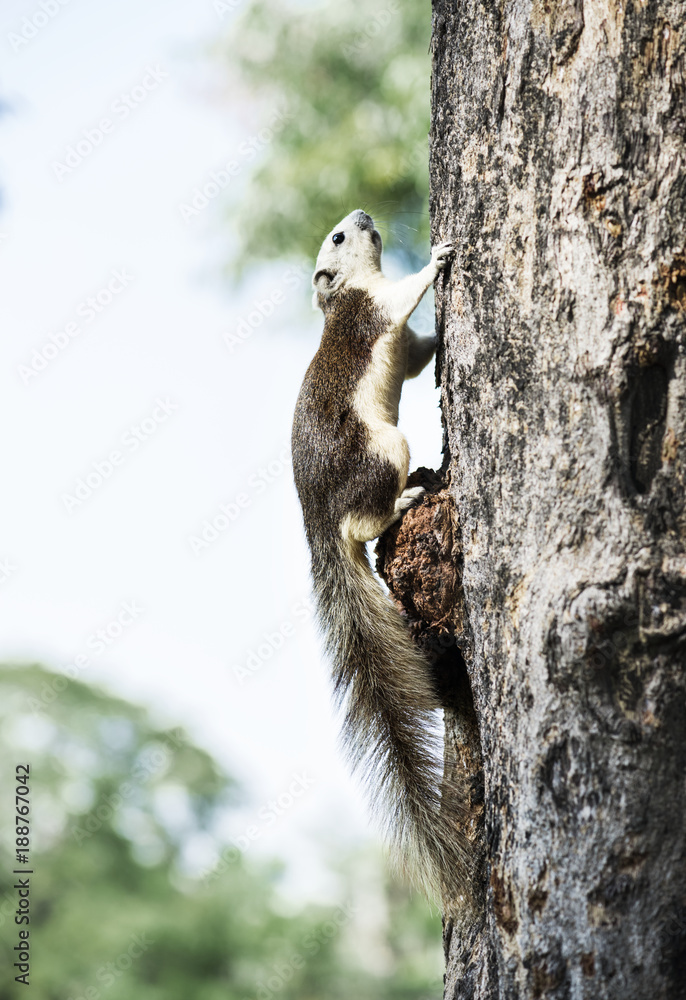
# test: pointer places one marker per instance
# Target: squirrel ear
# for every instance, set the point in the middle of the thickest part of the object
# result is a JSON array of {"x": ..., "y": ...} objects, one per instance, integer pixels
[{"x": 324, "y": 283}]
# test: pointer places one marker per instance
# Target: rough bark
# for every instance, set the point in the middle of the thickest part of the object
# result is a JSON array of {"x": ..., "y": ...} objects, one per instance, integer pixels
[{"x": 558, "y": 164}]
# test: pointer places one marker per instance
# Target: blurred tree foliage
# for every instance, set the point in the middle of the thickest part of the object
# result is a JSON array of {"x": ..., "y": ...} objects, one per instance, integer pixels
[
  {"x": 117, "y": 806},
  {"x": 343, "y": 116}
]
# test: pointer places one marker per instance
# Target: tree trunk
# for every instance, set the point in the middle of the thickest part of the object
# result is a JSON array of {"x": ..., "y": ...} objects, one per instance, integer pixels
[{"x": 558, "y": 167}]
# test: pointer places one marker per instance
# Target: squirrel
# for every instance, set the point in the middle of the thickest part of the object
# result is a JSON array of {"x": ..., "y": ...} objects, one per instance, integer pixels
[{"x": 350, "y": 465}]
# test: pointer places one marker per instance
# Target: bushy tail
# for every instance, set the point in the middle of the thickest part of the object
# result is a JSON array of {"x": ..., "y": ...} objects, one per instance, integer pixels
[{"x": 389, "y": 732}]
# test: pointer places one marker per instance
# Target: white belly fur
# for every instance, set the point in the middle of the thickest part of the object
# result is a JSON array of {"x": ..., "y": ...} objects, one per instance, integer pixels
[{"x": 376, "y": 402}]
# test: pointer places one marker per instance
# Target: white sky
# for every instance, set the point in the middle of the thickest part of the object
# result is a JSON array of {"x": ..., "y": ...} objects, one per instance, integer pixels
[{"x": 160, "y": 337}]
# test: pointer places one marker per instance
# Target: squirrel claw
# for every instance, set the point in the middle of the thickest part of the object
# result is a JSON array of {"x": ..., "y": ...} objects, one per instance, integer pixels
[{"x": 441, "y": 255}]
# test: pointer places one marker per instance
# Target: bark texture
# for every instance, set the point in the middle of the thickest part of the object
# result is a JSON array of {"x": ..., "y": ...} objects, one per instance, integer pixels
[{"x": 558, "y": 165}]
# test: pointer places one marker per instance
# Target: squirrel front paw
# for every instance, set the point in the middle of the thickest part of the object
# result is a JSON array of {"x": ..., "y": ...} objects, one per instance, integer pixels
[{"x": 441, "y": 254}]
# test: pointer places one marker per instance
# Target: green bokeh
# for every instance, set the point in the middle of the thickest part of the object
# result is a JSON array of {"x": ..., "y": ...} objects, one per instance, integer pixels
[
  {"x": 351, "y": 81},
  {"x": 114, "y": 909}
]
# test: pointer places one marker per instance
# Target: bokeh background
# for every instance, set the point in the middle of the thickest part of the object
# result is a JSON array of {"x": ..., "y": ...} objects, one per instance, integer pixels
[{"x": 168, "y": 171}]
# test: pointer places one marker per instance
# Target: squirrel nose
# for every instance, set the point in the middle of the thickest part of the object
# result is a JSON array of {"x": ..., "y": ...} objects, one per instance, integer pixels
[{"x": 362, "y": 220}]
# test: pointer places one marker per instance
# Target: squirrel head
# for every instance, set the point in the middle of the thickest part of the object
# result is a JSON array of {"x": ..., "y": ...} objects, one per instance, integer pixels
[{"x": 350, "y": 254}]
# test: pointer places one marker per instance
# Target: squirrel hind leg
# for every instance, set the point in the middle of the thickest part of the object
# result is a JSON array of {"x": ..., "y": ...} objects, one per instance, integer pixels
[
  {"x": 366, "y": 527},
  {"x": 408, "y": 498}
]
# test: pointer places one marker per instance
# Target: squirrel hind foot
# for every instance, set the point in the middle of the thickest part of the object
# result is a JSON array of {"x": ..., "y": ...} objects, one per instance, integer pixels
[{"x": 408, "y": 498}]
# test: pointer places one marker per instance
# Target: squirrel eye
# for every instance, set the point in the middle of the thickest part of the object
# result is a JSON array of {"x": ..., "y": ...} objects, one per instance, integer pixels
[{"x": 338, "y": 238}]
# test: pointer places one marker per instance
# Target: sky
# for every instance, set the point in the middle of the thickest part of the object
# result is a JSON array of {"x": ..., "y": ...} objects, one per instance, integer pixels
[{"x": 151, "y": 538}]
